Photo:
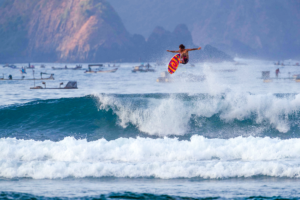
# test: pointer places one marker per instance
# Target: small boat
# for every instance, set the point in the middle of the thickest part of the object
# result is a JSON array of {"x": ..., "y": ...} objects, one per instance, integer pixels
[
  {"x": 143, "y": 68},
  {"x": 114, "y": 65},
  {"x": 90, "y": 71},
  {"x": 281, "y": 64},
  {"x": 78, "y": 67},
  {"x": 101, "y": 71},
  {"x": 10, "y": 66},
  {"x": 51, "y": 77},
  {"x": 268, "y": 79},
  {"x": 30, "y": 67},
  {"x": 43, "y": 66},
  {"x": 70, "y": 85},
  {"x": 95, "y": 65},
  {"x": 277, "y": 63}
]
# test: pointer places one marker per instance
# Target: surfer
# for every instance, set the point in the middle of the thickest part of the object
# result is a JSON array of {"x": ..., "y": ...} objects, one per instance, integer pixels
[
  {"x": 23, "y": 70},
  {"x": 184, "y": 53}
]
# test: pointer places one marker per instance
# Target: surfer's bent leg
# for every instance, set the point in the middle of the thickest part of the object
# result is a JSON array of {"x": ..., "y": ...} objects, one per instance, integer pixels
[{"x": 184, "y": 60}]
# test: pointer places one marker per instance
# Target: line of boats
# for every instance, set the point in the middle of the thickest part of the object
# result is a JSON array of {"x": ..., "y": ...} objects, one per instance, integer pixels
[
  {"x": 284, "y": 64},
  {"x": 70, "y": 84},
  {"x": 10, "y": 78},
  {"x": 77, "y": 67},
  {"x": 90, "y": 70}
]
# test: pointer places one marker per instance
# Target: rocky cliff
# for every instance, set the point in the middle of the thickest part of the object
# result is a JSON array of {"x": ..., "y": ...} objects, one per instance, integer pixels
[
  {"x": 62, "y": 30},
  {"x": 77, "y": 31}
]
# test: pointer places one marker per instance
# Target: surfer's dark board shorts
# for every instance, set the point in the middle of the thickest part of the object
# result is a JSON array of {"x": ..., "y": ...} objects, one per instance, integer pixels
[{"x": 184, "y": 61}]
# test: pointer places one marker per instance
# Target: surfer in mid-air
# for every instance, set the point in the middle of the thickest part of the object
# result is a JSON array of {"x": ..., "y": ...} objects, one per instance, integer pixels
[{"x": 184, "y": 53}]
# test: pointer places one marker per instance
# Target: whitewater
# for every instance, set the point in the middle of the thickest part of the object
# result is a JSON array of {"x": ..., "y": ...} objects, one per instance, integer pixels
[
  {"x": 124, "y": 135},
  {"x": 143, "y": 157}
]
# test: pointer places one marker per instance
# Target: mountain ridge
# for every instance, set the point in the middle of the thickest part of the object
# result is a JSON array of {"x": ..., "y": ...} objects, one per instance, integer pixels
[
  {"x": 254, "y": 28},
  {"x": 78, "y": 31}
]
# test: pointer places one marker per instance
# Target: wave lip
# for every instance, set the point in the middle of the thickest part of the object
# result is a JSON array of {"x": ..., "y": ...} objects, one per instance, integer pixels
[
  {"x": 144, "y": 157},
  {"x": 172, "y": 116},
  {"x": 113, "y": 116}
]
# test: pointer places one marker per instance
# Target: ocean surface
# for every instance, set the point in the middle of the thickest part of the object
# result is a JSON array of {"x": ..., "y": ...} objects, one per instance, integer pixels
[{"x": 125, "y": 136}]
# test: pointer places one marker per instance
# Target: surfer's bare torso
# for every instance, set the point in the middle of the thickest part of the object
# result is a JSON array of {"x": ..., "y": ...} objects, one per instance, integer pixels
[{"x": 184, "y": 54}]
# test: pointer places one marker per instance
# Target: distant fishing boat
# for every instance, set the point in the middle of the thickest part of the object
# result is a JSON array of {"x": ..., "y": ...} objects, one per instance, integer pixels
[
  {"x": 10, "y": 66},
  {"x": 143, "y": 68},
  {"x": 101, "y": 71},
  {"x": 78, "y": 67},
  {"x": 30, "y": 67},
  {"x": 90, "y": 71},
  {"x": 10, "y": 78},
  {"x": 70, "y": 85},
  {"x": 114, "y": 65},
  {"x": 282, "y": 64},
  {"x": 267, "y": 79}
]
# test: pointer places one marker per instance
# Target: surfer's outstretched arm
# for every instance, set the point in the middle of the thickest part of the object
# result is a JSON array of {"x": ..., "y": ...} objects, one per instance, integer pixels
[
  {"x": 173, "y": 51},
  {"x": 194, "y": 49}
]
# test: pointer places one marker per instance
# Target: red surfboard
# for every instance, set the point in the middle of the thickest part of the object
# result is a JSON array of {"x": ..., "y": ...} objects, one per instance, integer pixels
[{"x": 174, "y": 63}]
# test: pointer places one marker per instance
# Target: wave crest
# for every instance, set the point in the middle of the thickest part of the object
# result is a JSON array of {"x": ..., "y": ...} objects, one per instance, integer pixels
[
  {"x": 172, "y": 116},
  {"x": 144, "y": 157}
]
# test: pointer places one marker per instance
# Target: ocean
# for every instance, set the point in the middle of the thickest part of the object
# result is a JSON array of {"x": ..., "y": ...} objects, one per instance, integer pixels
[{"x": 125, "y": 136}]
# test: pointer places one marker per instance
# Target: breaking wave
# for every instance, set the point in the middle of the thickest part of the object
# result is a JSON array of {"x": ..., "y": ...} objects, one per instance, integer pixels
[
  {"x": 163, "y": 158},
  {"x": 158, "y": 115}
]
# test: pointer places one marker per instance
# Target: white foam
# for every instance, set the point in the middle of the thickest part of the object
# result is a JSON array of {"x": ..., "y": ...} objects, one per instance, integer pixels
[
  {"x": 172, "y": 115},
  {"x": 145, "y": 157},
  {"x": 161, "y": 117}
]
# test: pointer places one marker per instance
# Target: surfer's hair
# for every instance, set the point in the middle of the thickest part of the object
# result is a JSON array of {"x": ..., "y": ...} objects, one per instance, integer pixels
[{"x": 181, "y": 46}]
